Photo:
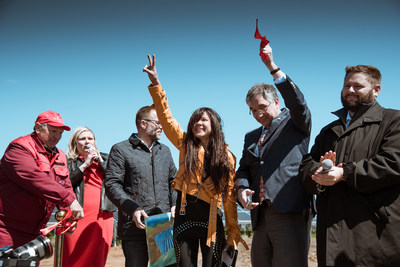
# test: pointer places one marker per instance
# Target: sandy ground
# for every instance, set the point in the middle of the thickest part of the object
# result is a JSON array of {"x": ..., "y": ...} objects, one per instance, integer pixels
[{"x": 116, "y": 257}]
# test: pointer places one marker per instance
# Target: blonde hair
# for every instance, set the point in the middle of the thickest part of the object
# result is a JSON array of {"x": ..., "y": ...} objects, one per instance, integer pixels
[{"x": 72, "y": 150}]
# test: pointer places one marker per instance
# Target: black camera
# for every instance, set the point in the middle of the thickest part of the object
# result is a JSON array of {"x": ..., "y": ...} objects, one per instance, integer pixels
[{"x": 27, "y": 255}]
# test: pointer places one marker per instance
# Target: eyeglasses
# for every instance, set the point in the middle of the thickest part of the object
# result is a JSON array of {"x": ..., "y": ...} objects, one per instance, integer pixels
[
  {"x": 156, "y": 123},
  {"x": 259, "y": 110}
]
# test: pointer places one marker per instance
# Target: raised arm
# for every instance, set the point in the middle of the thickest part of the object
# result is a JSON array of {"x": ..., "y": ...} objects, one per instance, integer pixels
[
  {"x": 292, "y": 96},
  {"x": 275, "y": 71},
  {"x": 151, "y": 71},
  {"x": 171, "y": 127}
]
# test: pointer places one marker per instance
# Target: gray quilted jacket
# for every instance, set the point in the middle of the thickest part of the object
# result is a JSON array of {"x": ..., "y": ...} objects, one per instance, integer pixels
[{"x": 137, "y": 177}]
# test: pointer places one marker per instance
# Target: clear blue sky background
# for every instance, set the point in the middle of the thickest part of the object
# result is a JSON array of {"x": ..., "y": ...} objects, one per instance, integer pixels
[{"x": 84, "y": 59}]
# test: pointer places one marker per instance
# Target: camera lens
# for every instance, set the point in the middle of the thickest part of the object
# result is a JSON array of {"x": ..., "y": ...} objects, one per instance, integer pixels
[
  {"x": 38, "y": 248},
  {"x": 5, "y": 251}
]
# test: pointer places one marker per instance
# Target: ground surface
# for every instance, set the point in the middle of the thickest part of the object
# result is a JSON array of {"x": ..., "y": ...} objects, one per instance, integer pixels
[{"x": 116, "y": 257}]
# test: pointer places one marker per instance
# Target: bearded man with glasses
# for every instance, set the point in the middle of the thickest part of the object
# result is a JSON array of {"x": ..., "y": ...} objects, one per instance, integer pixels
[{"x": 138, "y": 180}]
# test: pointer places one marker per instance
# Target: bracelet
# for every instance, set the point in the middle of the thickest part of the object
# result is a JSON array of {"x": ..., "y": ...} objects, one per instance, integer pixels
[
  {"x": 320, "y": 188},
  {"x": 275, "y": 71}
]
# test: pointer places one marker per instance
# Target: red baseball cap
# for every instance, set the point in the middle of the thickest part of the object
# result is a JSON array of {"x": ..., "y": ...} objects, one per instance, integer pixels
[{"x": 52, "y": 118}]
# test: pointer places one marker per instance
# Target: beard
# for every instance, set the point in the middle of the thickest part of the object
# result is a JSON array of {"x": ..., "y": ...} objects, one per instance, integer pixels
[
  {"x": 154, "y": 135},
  {"x": 354, "y": 105}
]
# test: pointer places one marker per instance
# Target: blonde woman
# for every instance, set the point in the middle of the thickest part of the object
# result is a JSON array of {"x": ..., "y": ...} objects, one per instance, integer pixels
[{"x": 91, "y": 241}]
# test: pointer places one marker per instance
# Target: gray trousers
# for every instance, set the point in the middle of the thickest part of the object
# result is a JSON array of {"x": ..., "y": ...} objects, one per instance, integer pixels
[{"x": 280, "y": 239}]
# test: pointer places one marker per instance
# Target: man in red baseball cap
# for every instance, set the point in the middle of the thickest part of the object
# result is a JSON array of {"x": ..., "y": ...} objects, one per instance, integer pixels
[
  {"x": 33, "y": 180},
  {"x": 49, "y": 127},
  {"x": 52, "y": 118}
]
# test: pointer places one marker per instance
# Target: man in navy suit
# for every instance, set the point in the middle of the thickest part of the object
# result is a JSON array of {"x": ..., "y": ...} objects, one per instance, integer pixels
[{"x": 272, "y": 153}]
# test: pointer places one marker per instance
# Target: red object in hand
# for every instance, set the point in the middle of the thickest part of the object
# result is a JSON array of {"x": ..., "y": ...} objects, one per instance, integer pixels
[
  {"x": 66, "y": 227},
  {"x": 65, "y": 224},
  {"x": 264, "y": 42}
]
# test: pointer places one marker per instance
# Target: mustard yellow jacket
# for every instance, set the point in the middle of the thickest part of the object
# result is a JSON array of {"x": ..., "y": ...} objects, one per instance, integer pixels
[{"x": 190, "y": 185}]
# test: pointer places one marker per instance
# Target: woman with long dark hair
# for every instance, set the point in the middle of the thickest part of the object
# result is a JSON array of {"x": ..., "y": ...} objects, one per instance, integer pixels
[{"x": 204, "y": 180}]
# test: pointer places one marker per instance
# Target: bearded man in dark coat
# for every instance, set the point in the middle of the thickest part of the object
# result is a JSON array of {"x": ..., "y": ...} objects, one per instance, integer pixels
[{"x": 358, "y": 203}]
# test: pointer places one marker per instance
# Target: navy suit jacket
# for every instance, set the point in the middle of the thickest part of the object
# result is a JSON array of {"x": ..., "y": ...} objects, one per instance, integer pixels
[{"x": 283, "y": 148}]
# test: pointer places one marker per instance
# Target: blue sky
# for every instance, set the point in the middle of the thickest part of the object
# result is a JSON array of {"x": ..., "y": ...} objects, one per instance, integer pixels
[{"x": 84, "y": 59}]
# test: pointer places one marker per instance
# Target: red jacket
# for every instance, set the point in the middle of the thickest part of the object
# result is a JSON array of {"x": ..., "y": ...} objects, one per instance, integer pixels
[{"x": 32, "y": 183}]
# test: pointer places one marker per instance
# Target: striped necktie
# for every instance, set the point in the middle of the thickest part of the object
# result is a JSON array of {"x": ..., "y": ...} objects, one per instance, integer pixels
[{"x": 262, "y": 187}]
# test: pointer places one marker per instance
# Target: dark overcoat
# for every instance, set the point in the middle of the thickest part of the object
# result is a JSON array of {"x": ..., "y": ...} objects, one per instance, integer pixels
[{"x": 358, "y": 221}]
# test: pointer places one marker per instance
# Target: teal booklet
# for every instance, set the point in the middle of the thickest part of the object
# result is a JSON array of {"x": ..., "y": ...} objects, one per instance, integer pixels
[{"x": 159, "y": 230}]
